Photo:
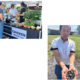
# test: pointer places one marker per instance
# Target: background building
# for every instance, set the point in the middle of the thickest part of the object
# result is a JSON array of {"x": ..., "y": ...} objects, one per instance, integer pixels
[
  {"x": 54, "y": 30},
  {"x": 78, "y": 29}
]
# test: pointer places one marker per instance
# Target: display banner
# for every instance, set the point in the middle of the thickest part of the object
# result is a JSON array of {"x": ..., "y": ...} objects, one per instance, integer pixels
[
  {"x": 15, "y": 32},
  {"x": 7, "y": 30},
  {"x": 19, "y": 33}
]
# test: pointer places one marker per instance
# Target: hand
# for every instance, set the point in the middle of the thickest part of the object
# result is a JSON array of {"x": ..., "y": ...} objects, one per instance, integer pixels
[
  {"x": 64, "y": 72},
  {"x": 75, "y": 71},
  {"x": 17, "y": 14}
]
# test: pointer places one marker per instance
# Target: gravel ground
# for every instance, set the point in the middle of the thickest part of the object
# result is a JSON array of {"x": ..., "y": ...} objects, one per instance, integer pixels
[{"x": 51, "y": 67}]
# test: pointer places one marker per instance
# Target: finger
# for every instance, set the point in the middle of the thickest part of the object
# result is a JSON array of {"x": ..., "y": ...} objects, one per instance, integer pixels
[
  {"x": 65, "y": 78},
  {"x": 75, "y": 78},
  {"x": 76, "y": 72},
  {"x": 63, "y": 75}
]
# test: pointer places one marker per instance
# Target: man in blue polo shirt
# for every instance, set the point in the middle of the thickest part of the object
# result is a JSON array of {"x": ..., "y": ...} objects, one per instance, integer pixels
[
  {"x": 4, "y": 10},
  {"x": 64, "y": 53}
]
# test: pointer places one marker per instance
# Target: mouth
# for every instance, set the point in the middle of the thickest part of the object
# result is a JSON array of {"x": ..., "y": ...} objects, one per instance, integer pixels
[{"x": 65, "y": 36}]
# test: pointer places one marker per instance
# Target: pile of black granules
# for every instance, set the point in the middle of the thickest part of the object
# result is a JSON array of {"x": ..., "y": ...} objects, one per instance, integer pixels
[{"x": 70, "y": 75}]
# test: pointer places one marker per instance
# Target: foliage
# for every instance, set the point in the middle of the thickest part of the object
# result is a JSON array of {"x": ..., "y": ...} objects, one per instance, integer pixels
[
  {"x": 18, "y": 11},
  {"x": 26, "y": 7},
  {"x": 36, "y": 15},
  {"x": 18, "y": 8},
  {"x": 33, "y": 15},
  {"x": 27, "y": 15},
  {"x": 18, "y": 15},
  {"x": 28, "y": 23},
  {"x": 31, "y": 24}
]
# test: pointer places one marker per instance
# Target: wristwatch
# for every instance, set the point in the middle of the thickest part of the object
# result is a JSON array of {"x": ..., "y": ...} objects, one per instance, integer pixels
[{"x": 71, "y": 65}]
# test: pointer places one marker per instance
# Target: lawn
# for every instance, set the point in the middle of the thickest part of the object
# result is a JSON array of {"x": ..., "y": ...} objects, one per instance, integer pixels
[{"x": 75, "y": 38}]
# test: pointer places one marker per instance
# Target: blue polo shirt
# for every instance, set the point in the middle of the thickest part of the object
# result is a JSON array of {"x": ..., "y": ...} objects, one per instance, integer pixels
[{"x": 4, "y": 11}]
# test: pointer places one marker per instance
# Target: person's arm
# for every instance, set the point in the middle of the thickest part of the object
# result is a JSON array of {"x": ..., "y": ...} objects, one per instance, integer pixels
[
  {"x": 54, "y": 48},
  {"x": 72, "y": 61},
  {"x": 72, "y": 54},
  {"x": 58, "y": 59},
  {"x": 21, "y": 14},
  {"x": 61, "y": 63},
  {"x": 1, "y": 16},
  {"x": 72, "y": 58}
]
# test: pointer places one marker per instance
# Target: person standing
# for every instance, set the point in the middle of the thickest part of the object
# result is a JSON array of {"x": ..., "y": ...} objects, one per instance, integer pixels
[
  {"x": 22, "y": 12},
  {"x": 13, "y": 10},
  {"x": 64, "y": 53},
  {"x": 1, "y": 21},
  {"x": 4, "y": 10}
]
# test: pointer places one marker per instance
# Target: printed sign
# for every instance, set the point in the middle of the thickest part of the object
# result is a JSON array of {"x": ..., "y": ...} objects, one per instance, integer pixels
[{"x": 19, "y": 33}]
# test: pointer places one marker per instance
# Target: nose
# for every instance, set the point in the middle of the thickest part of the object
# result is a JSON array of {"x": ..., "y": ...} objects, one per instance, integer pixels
[{"x": 66, "y": 32}]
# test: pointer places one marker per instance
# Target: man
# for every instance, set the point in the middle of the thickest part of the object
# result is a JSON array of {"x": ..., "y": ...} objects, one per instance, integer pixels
[
  {"x": 13, "y": 10},
  {"x": 22, "y": 12},
  {"x": 4, "y": 10},
  {"x": 1, "y": 21},
  {"x": 64, "y": 53}
]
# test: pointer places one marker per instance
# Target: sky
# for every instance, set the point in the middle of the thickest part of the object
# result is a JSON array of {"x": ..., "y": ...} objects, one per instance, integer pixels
[{"x": 73, "y": 27}]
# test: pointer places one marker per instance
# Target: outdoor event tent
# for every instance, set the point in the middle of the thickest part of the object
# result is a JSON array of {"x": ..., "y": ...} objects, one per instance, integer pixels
[
  {"x": 28, "y": 3},
  {"x": 18, "y": 2}
]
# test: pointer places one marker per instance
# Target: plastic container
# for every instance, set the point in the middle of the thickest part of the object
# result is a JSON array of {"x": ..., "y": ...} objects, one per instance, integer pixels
[
  {"x": 20, "y": 26},
  {"x": 16, "y": 25}
]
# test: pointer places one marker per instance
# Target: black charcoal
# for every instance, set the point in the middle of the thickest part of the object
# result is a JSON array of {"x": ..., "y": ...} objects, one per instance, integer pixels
[{"x": 70, "y": 75}]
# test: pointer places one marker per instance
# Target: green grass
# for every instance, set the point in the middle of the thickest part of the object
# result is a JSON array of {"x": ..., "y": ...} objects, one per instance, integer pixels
[{"x": 75, "y": 38}]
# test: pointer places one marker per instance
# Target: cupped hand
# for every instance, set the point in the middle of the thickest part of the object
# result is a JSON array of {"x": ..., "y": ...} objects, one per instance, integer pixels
[{"x": 64, "y": 72}]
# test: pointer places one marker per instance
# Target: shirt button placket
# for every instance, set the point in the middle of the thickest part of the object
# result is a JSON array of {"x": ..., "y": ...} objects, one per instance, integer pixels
[{"x": 63, "y": 51}]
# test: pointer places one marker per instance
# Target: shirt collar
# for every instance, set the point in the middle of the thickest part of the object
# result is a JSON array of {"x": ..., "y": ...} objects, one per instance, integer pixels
[{"x": 62, "y": 39}]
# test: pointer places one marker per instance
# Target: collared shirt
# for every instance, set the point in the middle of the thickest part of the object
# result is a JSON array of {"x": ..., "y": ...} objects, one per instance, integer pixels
[
  {"x": 4, "y": 11},
  {"x": 13, "y": 11},
  {"x": 64, "y": 49}
]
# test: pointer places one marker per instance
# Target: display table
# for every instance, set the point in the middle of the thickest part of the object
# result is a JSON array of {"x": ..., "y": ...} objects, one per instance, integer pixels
[{"x": 20, "y": 32}]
